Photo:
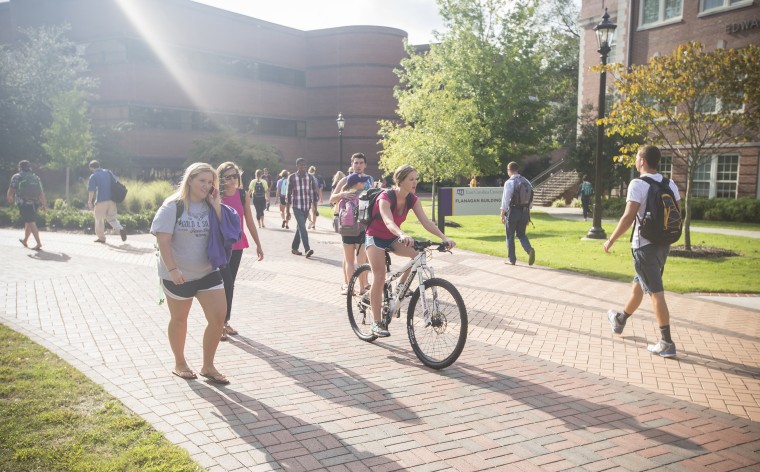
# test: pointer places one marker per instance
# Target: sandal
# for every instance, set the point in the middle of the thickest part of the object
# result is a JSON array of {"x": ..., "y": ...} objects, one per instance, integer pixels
[
  {"x": 230, "y": 330},
  {"x": 185, "y": 374},
  {"x": 217, "y": 378},
  {"x": 22, "y": 242}
]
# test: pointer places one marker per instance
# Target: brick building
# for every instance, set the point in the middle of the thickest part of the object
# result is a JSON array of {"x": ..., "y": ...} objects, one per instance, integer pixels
[
  {"x": 175, "y": 71},
  {"x": 646, "y": 28}
]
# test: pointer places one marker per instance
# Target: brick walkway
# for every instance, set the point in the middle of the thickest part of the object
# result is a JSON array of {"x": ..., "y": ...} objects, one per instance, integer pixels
[{"x": 542, "y": 384}]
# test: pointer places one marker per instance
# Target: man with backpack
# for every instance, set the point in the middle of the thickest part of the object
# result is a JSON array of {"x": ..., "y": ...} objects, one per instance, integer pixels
[
  {"x": 585, "y": 190},
  {"x": 516, "y": 202},
  {"x": 26, "y": 192},
  {"x": 101, "y": 202},
  {"x": 302, "y": 193},
  {"x": 652, "y": 203}
]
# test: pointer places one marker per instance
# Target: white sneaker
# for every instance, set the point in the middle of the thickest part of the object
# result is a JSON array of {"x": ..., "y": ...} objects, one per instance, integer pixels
[{"x": 379, "y": 330}]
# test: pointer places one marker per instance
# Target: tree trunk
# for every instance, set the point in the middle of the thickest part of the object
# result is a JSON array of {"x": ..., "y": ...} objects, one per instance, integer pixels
[{"x": 67, "y": 186}]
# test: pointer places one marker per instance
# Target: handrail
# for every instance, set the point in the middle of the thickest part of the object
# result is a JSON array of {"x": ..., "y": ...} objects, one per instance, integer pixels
[{"x": 547, "y": 173}]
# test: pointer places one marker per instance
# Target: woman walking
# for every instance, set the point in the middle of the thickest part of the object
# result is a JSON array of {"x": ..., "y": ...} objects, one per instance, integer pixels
[
  {"x": 236, "y": 197},
  {"x": 259, "y": 191},
  {"x": 182, "y": 229},
  {"x": 282, "y": 192}
]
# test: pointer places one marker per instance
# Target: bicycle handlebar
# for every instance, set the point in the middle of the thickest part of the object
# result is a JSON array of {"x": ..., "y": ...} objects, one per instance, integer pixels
[{"x": 422, "y": 245}]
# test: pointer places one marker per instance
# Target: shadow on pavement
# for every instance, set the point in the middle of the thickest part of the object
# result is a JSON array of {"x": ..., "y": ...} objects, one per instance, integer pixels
[{"x": 50, "y": 256}]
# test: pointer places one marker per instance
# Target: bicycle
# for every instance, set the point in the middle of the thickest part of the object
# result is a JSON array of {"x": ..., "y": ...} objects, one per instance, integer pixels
[{"x": 439, "y": 331}]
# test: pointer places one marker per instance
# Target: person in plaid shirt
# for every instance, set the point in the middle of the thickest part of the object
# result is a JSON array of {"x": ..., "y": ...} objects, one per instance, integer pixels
[{"x": 302, "y": 193}]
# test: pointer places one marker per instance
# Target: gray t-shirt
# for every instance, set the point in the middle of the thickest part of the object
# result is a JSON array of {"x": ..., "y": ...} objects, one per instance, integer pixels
[{"x": 189, "y": 239}]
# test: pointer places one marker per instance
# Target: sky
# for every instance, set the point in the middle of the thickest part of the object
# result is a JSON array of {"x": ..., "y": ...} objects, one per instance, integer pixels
[{"x": 417, "y": 17}]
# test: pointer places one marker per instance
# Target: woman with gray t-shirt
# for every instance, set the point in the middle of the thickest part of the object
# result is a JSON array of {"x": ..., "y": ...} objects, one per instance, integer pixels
[{"x": 185, "y": 269}]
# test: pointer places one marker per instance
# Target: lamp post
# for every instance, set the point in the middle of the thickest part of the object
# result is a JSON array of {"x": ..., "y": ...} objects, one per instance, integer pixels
[
  {"x": 605, "y": 31},
  {"x": 341, "y": 124}
]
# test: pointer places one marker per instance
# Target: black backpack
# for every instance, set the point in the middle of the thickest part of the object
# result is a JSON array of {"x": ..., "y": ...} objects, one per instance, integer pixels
[
  {"x": 522, "y": 196},
  {"x": 258, "y": 189},
  {"x": 662, "y": 223},
  {"x": 367, "y": 201}
]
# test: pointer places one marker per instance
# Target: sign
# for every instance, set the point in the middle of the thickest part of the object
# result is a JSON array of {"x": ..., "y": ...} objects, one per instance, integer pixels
[{"x": 469, "y": 200}]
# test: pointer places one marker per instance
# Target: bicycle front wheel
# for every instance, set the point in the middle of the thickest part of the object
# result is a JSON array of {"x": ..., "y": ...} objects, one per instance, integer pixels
[
  {"x": 439, "y": 333},
  {"x": 357, "y": 303}
]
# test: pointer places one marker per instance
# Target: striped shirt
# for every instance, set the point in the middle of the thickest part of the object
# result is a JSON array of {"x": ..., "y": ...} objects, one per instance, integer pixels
[{"x": 302, "y": 191}]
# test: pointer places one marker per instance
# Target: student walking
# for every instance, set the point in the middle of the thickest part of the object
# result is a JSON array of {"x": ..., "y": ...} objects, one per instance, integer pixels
[
  {"x": 233, "y": 195},
  {"x": 648, "y": 258},
  {"x": 585, "y": 190},
  {"x": 259, "y": 189},
  {"x": 302, "y": 193},
  {"x": 282, "y": 192},
  {"x": 182, "y": 227},
  {"x": 516, "y": 202},
  {"x": 99, "y": 201},
  {"x": 25, "y": 190}
]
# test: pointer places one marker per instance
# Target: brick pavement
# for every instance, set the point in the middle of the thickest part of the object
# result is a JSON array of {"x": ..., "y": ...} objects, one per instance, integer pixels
[{"x": 542, "y": 384}]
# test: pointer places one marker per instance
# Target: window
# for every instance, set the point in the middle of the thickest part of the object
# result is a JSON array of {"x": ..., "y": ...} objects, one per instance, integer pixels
[
  {"x": 713, "y": 6},
  {"x": 717, "y": 177},
  {"x": 657, "y": 12},
  {"x": 666, "y": 166}
]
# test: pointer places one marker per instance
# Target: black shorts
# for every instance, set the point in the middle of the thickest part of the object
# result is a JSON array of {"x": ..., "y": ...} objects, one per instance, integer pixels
[
  {"x": 189, "y": 289},
  {"x": 28, "y": 212},
  {"x": 283, "y": 200},
  {"x": 351, "y": 240}
]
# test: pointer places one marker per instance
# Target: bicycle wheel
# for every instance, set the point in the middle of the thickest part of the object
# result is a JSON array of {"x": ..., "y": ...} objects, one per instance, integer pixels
[
  {"x": 437, "y": 337},
  {"x": 357, "y": 303}
]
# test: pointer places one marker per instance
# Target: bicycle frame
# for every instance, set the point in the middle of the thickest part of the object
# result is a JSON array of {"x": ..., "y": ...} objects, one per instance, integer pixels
[{"x": 419, "y": 268}]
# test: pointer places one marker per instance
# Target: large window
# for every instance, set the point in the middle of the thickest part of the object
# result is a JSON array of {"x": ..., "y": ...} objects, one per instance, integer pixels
[
  {"x": 717, "y": 177},
  {"x": 666, "y": 166},
  {"x": 712, "y": 6},
  {"x": 657, "y": 12}
]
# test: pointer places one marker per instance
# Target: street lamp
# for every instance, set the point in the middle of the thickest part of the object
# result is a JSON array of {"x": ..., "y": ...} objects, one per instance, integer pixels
[
  {"x": 605, "y": 31},
  {"x": 341, "y": 124}
]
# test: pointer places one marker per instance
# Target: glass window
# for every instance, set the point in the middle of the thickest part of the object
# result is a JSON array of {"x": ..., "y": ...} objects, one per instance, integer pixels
[
  {"x": 666, "y": 166},
  {"x": 654, "y": 12},
  {"x": 717, "y": 177},
  {"x": 715, "y": 5}
]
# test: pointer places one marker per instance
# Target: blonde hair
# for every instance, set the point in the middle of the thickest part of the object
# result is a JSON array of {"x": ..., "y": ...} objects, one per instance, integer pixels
[
  {"x": 284, "y": 173},
  {"x": 312, "y": 170},
  {"x": 402, "y": 173},
  {"x": 338, "y": 175},
  {"x": 225, "y": 166},
  {"x": 191, "y": 172},
  {"x": 258, "y": 174}
]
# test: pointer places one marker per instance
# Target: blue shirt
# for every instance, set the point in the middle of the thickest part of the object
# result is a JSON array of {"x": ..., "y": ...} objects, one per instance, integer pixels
[{"x": 100, "y": 180}]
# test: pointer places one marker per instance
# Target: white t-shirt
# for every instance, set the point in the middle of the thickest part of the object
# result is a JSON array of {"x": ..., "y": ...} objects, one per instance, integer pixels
[
  {"x": 189, "y": 239},
  {"x": 637, "y": 192}
]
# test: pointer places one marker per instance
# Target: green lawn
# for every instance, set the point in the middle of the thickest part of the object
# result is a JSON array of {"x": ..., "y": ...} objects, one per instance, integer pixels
[
  {"x": 558, "y": 245},
  {"x": 54, "y": 418}
]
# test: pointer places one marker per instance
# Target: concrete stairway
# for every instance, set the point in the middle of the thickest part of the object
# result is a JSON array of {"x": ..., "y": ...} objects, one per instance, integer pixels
[{"x": 560, "y": 184}]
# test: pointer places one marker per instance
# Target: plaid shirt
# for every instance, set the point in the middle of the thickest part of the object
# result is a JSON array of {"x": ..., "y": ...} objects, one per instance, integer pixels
[{"x": 302, "y": 191}]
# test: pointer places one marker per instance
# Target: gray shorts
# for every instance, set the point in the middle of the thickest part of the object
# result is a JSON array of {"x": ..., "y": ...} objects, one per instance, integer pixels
[{"x": 649, "y": 264}]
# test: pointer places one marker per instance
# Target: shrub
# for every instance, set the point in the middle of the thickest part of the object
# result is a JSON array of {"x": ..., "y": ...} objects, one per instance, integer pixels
[
  {"x": 558, "y": 203},
  {"x": 613, "y": 207}
]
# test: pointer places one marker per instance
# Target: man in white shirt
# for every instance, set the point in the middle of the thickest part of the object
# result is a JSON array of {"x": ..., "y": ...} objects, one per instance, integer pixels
[{"x": 648, "y": 258}]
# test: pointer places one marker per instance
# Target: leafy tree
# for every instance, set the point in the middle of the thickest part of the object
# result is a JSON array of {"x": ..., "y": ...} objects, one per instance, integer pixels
[
  {"x": 68, "y": 140},
  {"x": 248, "y": 154},
  {"x": 33, "y": 71},
  {"x": 692, "y": 103}
]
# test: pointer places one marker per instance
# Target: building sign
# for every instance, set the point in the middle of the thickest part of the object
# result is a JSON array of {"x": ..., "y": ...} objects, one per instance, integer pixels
[
  {"x": 743, "y": 27},
  {"x": 470, "y": 200}
]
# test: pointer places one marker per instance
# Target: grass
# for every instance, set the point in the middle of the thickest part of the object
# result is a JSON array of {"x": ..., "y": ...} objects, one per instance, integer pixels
[
  {"x": 54, "y": 418},
  {"x": 558, "y": 245}
]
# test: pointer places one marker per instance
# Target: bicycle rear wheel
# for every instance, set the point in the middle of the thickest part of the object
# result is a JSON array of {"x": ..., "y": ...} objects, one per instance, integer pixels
[
  {"x": 357, "y": 303},
  {"x": 437, "y": 337}
]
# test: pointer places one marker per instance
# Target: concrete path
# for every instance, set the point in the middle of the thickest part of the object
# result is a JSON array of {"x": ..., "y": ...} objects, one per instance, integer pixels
[{"x": 542, "y": 384}]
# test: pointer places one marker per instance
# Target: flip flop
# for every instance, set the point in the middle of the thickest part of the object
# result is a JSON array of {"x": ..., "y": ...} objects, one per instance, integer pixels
[
  {"x": 37, "y": 248},
  {"x": 22, "y": 242},
  {"x": 185, "y": 374},
  {"x": 218, "y": 379},
  {"x": 230, "y": 330}
]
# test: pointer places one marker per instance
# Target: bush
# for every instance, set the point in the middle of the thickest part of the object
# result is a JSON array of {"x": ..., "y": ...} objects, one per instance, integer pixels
[
  {"x": 612, "y": 207},
  {"x": 742, "y": 210},
  {"x": 558, "y": 203}
]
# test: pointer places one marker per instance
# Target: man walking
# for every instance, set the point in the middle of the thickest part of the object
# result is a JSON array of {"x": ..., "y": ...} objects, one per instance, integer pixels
[
  {"x": 648, "y": 258},
  {"x": 26, "y": 191},
  {"x": 104, "y": 209},
  {"x": 516, "y": 202},
  {"x": 302, "y": 193}
]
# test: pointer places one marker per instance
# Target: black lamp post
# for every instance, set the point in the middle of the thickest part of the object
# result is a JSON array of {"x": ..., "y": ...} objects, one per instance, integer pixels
[
  {"x": 604, "y": 34},
  {"x": 341, "y": 124}
]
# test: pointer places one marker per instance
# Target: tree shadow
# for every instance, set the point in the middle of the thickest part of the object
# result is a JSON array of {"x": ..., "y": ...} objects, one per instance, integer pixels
[
  {"x": 288, "y": 442},
  {"x": 330, "y": 381}
]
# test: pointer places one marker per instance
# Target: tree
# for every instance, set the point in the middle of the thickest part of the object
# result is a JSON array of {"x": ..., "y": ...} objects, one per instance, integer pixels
[
  {"x": 692, "y": 103},
  {"x": 238, "y": 148},
  {"x": 68, "y": 140},
  {"x": 42, "y": 65},
  {"x": 483, "y": 95}
]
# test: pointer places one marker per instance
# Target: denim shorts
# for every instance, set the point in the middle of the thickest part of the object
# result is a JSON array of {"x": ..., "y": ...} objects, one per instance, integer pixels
[
  {"x": 649, "y": 264},
  {"x": 381, "y": 243},
  {"x": 28, "y": 212},
  {"x": 188, "y": 290}
]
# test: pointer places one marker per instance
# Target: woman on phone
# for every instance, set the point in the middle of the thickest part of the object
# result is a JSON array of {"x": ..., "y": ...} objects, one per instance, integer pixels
[{"x": 186, "y": 271}]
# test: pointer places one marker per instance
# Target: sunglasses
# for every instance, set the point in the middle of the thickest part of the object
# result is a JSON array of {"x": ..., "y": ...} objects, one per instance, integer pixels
[{"x": 231, "y": 176}]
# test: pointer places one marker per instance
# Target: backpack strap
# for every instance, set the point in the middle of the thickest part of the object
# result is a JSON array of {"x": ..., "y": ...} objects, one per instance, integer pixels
[
  {"x": 180, "y": 209},
  {"x": 242, "y": 197}
]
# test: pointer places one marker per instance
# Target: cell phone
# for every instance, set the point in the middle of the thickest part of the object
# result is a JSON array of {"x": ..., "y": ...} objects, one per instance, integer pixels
[{"x": 211, "y": 191}]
